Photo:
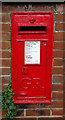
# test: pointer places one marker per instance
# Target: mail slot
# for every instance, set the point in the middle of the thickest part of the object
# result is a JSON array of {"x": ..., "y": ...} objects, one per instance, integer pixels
[{"x": 31, "y": 56}]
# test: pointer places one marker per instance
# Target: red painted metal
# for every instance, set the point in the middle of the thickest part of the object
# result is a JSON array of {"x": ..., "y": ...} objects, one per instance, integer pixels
[{"x": 31, "y": 83}]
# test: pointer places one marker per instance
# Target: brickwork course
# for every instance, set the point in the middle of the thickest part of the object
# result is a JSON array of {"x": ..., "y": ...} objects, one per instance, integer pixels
[{"x": 54, "y": 110}]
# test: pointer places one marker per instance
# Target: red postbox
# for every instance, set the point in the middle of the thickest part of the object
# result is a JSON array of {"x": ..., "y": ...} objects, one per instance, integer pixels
[{"x": 31, "y": 56}]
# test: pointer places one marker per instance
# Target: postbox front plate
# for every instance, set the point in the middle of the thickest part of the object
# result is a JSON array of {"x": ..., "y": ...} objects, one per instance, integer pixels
[{"x": 31, "y": 57}]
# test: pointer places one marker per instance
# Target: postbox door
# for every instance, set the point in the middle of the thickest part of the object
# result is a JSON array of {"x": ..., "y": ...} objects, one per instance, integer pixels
[
  {"x": 31, "y": 68},
  {"x": 31, "y": 56}
]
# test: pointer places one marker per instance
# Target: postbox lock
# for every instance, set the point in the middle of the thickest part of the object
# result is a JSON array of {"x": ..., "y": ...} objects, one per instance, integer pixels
[{"x": 23, "y": 69}]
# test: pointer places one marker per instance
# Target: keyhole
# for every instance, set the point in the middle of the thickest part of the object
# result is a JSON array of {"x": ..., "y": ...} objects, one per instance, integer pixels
[{"x": 23, "y": 69}]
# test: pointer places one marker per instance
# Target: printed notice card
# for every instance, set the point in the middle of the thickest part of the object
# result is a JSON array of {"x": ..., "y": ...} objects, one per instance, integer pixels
[{"x": 32, "y": 52}]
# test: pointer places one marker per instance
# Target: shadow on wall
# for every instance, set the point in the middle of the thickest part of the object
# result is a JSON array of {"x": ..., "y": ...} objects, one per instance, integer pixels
[{"x": 21, "y": 108}]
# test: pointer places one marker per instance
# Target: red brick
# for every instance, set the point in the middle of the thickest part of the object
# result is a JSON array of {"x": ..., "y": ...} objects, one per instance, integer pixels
[
  {"x": 63, "y": 7},
  {"x": 58, "y": 79},
  {"x": 19, "y": 113},
  {"x": 59, "y": 36},
  {"x": 6, "y": 36},
  {"x": 57, "y": 87},
  {"x": 43, "y": 7},
  {"x": 64, "y": 71},
  {"x": 0, "y": 80},
  {"x": 59, "y": 17},
  {"x": 0, "y": 87},
  {"x": 59, "y": 44},
  {"x": 5, "y": 80},
  {"x": 59, "y": 7},
  {"x": 3, "y": 113},
  {"x": 6, "y": 9},
  {"x": 60, "y": 26},
  {"x": 0, "y": 17},
  {"x": 64, "y": 103},
  {"x": 51, "y": 118},
  {"x": 5, "y": 45},
  {"x": 6, "y": 28},
  {"x": 64, "y": 86},
  {"x": 0, "y": 30},
  {"x": 57, "y": 104},
  {"x": 5, "y": 17},
  {"x": 64, "y": 96},
  {"x": 46, "y": 105},
  {"x": 12, "y": 8},
  {"x": 4, "y": 71},
  {"x": 32, "y": 106},
  {"x": 59, "y": 53},
  {"x": 57, "y": 112},
  {"x": 0, "y": 54},
  {"x": 5, "y": 62},
  {"x": 27, "y": 106},
  {"x": 37, "y": 112},
  {"x": 4, "y": 54},
  {"x": 64, "y": 111},
  {"x": 63, "y": 77},
  {"x": 58, "y": 96},
  {"x": 4, "y": 87},
  {"x": 0, "y": 62},
  {"x": 25, "y": 118},
  {"x": 0, "y": 45},
  {"x": 58, "y": 70},
  {"x": 59, "y": 62}
]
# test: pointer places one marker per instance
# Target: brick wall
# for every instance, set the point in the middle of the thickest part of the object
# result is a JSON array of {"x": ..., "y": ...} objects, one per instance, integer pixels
[{"x": 36, "y": 111}]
